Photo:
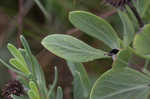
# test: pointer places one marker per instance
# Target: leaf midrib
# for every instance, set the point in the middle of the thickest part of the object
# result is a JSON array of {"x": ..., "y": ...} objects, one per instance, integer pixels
[
  {"x": 125, "y": 90},
  {"x": 99, "y": 31}
]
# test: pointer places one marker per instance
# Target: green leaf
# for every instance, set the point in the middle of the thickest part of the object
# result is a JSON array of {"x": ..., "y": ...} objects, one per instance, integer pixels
[
  {"x": 17, "y": 64},
  {"x": 31, "y": 94},
  {"x": 11, "y": 68},
  {"x": 78, "y": 67},
  {"x": 16, "y": 53},
  {"x": 123, "y": 83},
  {"x": 34, "y": 88},
  {"x": 78, "y": 89},
  {"x": 95, "y": 27},
  {"x": 24, "y": 54},
  {"x": 142, "y": 6},
  {"x": 59, "y": 93},
  {"x": 132, "y": 18},
  {"x": 28, "y": 53},
  {"x": 71, "y": 49},
  {"x": 142, "y": 41},
  {"x": 128, "y": 29},
  {"x": 36, "y": 68}
]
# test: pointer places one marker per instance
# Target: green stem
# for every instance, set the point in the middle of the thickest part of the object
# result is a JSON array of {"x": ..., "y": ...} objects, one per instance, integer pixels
[{"x": 54, "y": 83}]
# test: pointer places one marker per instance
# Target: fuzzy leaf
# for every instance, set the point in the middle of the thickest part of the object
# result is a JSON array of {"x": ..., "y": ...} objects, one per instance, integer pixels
[
  {"x": 70, "y": 48},
  {"x": 122, "y": 83},
  {"x": 95, "y": 27}
]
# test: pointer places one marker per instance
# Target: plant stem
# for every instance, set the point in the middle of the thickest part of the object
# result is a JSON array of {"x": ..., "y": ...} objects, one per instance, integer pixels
[
  {"x": 20, "y": 22},
  {"x": 141, "y": 23}
]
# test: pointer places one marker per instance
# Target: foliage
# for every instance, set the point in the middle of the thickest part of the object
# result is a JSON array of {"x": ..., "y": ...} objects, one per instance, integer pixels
[
  {"x": 26, "y": 66},
  {"x": 120, "y": 82}
]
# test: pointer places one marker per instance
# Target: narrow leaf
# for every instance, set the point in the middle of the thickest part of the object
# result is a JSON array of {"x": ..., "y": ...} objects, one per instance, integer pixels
[
  {"x": 128, "y": 34},
  {"x": 11, "y": 68},
  {"x": 19, "y": 66},
  {"x": 78, "y": 89},
  {"x": 142, "y": 6},
  {"x": 132, "y": 18},
  {"x": 36, "y": 68},
  {"x": 28, "y": 52},
  {"x": 78, "y": 67},
  {"x": 16, "y": 53},
  {"x": 59, "y": 93}
]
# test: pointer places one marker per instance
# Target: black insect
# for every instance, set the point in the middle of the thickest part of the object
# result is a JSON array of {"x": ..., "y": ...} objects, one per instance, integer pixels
[{"x": 113, "y": 52}]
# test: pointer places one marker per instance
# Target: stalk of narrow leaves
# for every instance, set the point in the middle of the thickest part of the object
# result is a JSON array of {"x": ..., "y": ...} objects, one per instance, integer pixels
[{"x": 12, "y": 88}]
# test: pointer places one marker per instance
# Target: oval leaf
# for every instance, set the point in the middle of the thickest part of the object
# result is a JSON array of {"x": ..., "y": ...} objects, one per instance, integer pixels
[
  {"x": 123, "y": 83},
  {"x": 70, "y": 48},
  {"x": 95, "y": 27}
]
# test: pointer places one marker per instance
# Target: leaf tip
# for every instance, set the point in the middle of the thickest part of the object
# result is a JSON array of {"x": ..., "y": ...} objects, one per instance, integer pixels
[{"x": 9, "y": 45}]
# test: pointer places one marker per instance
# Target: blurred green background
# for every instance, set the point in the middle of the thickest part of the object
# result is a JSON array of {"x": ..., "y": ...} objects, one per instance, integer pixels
[{"x": 37, "y": 18}]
